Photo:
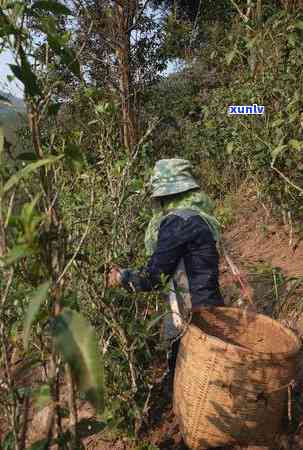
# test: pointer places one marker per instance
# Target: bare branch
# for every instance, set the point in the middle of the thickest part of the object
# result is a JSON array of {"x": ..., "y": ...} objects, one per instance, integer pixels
[
  {"x": 242, "y": 15},
  {"x": 73, "y": 420},
  {"x": 285, "y": 178},
  {"x": 70, "y": 262},
  {"x": 10, "y": 208}
]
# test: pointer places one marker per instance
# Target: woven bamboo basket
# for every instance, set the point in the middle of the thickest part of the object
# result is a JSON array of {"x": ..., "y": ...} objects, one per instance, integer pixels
[{"x": 233, "y": 376}]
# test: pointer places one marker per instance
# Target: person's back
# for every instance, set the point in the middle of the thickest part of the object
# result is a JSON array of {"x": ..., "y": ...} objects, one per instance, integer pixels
[
  {"x": 184, "y": 233},
  {"x": 182, "y": 228}
]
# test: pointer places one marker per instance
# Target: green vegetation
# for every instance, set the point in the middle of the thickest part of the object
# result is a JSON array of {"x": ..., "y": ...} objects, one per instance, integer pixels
[{"x": 73, "y": 200}]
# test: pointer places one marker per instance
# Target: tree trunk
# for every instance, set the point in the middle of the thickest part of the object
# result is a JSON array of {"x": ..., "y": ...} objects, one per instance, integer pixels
[{"x": 125, "y": 12}]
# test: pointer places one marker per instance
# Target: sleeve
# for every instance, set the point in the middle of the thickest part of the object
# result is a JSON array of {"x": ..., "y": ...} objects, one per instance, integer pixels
[{"x": 171, "y": 243}]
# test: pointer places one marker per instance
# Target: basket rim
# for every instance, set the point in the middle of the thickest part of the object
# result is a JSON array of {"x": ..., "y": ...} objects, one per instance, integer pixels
[{"x": 238, "y": 348}]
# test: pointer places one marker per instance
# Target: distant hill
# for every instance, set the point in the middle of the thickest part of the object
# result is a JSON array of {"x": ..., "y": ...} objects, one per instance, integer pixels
[
  {"x": 12, "y": 115},
  {"x": 17, "y": 102}
]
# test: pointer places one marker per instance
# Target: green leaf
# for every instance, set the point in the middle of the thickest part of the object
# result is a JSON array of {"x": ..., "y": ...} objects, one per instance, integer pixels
[
  {"x": 210, "y": 124},
  {"x": 54, "y": 108},
  {"x": 277, "y": 123},
  {"x": 56, "y": 43},
  {"x": 52, "y": 6},
  {"x": 68, "y": 57},
  {"x": 292, "y": 39},
  {"x": 299, "y": 25},
  {"x": 277, "y": 152},
  {"x": 8, "y": 442},
  {"x": 27, "y": 156},
  {"x": 289, "y": 162},
  {"x": 6, "y": 28},
  {"x": 102, "y": 108},
  {"x": 27, "y": 211},
  {"x": 28, "y": 170},
  {"x": 47, "y": 24},
  {"x": 71, "y": 302},
  {"x": 251, "y": 42},
  {"x": 13, "y": 4},
  {"x": 17, "y": 252},
  {"x": 42, "y": 396},
  {"x": 90, "y": 92},
  {"x": 229, "y": 148},
  {"x": 230, "y": 56},
  {"x": 30, "y": 220},
  {"x": 295, "y": 144},
  {"x": 154, "y": 321},
  {"x": 76, "y": 340},
  {"x": 17, "y": 7},
  {"x": 33, "y": 309},
  {"x": 25, "y": 74},
  {"x": 38, "y": 445},
  {"x": 147, "y": 446},
  {"x": 137, "y": 185},
  {"x": 17, "y": 72},
  {"x": 74, "y": 156}
]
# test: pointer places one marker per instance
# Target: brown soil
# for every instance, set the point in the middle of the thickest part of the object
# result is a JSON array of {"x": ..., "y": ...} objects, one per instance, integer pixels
[{"x": 256, "y": 237}]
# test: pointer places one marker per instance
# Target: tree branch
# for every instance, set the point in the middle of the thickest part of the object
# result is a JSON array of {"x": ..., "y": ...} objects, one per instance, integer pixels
[
  {"x": 242, "y": 15},
  {"x": 70, "y": 262},
  {"x": 288, "y": 181}
]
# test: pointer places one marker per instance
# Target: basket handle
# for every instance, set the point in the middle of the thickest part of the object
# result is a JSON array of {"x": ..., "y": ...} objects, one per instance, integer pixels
[
  {"x": 263, "y": 396},
  {"x": 290, "y": 387}
]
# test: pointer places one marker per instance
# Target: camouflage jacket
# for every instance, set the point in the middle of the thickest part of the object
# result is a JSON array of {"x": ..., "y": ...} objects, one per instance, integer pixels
[{"x": 182, "y": 234}]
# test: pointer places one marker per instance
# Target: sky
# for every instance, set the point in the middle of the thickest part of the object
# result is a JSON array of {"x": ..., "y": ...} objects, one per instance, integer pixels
[{"x": 14, "y": 87}]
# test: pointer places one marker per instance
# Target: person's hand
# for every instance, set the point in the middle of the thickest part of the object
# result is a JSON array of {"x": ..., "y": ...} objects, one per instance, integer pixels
[{"x": 114, "y": 277}]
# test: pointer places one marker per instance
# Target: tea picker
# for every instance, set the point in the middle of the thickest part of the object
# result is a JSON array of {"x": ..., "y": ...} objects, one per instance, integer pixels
[{"x": 180, "y": 242}]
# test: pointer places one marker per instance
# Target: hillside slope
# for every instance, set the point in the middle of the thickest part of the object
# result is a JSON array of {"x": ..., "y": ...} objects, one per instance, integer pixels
[
  {"x": 12, "y": 115},
  {"x": 272, "y": 257},
  {"x": 256, "y": 237}
]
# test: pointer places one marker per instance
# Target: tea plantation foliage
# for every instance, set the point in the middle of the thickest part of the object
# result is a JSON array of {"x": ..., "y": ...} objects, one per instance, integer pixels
[{"x": 75, "y": 199}]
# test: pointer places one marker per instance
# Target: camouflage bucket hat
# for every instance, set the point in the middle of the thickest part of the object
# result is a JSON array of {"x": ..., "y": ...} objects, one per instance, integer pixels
[{"x": 172, "y": 176}]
